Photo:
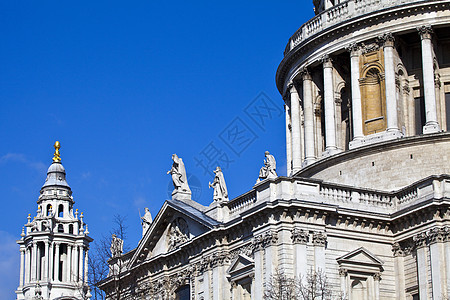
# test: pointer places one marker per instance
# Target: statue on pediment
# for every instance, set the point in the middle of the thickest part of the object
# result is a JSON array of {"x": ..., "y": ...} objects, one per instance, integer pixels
[
  {"x": 179, "y": 178},
  {"x": 146, "y": 221},
  {"x": 269, "y": 168},
  {"x": 220, "y": 188},
  {"x": 116, "y": 246}
]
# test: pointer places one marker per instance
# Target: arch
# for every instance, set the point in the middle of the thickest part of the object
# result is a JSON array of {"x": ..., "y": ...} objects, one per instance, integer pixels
[
  {"x": 49, "y": 207},
  {"x": 60, "y": 228},
  {"x": 60, "y": 211},
  {"x": 373, "y": 99},
  {"x": 71, "y": 228}
]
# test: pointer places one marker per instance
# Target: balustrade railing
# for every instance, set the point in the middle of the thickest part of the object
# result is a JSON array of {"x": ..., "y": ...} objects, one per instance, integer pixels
[
  {"x": 339, "y": 13},
  {"x": 242, "y": 202}
]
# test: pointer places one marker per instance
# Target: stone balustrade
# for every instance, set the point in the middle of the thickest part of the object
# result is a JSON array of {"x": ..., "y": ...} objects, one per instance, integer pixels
[
  {"x": 340, "y": 13},
  {"x": 434, "y": 187}
]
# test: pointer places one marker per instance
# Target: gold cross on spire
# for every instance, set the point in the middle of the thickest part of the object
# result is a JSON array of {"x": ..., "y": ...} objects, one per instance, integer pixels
[{"x": 57, "y": 156}]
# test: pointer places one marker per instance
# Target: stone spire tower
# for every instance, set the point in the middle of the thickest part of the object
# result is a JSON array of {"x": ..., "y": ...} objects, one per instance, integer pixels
[{"x": 54, "y": 244}]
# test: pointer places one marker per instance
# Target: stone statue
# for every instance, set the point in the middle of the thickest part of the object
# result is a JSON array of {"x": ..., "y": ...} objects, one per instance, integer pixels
[
  {"x": 178, "y": 173},
  {"x": 220, "y": 188},
  {"x": 146, "y": 221},
  {"x": 269, "y": 169},
  {"x": 116, "y": 246}
]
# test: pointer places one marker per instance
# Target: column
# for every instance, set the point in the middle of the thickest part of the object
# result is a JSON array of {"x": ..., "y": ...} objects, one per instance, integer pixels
[
  {"x": 431, "y": 124},
  {"x": 376, "y": 281},
  {"x": 206, "y": 284},
  {"x": 295, "y": 122},
  {"x": 270, "y": 255},
  {"x": 75, "y": 264},
  {"x": 389, "y": 73},
  {"x": 80, "y": 264},
  {"x": 399, "y": 268},
  {"x": 22, "y": 254},
  {"x": 330, "y": 121},
  {"x": 319, "y": 240},
  {"x": 46, "y": 259},
  {"x": 437, "y": 260},
  {"x": 356, "y": 92},
  {"x": 308, "y": 105},
  {"x": 300, "y": 239},
  {"x": 50, "y": 262},
  {"x": 288, "y": 138},
  {"x": 258, "y": 269},
  {"x": 27, "y": 265},
  {"x": 447, "y": 258},
  {"x": 56, "y": 262},
  {"x": 422, "y": 270},
  {"x": 343, "y": 279},
  {"x": 69, "y": 263},
  {"x": 86, "y": 259},
  {"x": 34, "y": 262}
]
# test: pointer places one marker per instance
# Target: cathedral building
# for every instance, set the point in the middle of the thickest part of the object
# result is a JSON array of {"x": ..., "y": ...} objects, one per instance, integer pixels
[
  {"x": 366, "y": 200},
  {"x": 54, "y": 244}
]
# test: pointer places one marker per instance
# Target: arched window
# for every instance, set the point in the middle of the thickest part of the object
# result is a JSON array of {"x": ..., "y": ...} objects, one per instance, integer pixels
[
  {"x": 60, "y": 211},
  {"x": 49, "y": 207},
  {"x": 373, "y": 101},
  {"x": 60, "y": 228}
]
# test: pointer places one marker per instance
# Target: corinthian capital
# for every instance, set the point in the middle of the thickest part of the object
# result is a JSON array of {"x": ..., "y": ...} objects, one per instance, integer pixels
[
  {"x": 387, "y": 39},
  {"x": 353, "y": 48},
  {"x": 327, "y": 61},
  {"x": 319, "y": 239},
  {"x": 299, "y": 236},
  {"x": 425, "y": 31}
]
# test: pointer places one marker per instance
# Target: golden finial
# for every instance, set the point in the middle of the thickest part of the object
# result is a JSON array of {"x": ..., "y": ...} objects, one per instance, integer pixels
[{"x": 57, "y": 156}]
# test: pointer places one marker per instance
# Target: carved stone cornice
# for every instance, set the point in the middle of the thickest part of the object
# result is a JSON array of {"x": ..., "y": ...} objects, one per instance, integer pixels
[
  {"x": 425, "y": 32},
  {"x": 319, "y": 239},
  {"x": 299, "y": 236}
]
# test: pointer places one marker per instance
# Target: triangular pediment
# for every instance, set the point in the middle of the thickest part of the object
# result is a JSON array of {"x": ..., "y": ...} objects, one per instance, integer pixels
[
  {"x": 241, "y": 267},
  {"x": 360, "y": 259},
  {"x": 176, "y": 224}
]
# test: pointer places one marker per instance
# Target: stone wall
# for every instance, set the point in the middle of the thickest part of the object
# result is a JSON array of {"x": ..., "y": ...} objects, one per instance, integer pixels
[{"x": 386, "y": 166}]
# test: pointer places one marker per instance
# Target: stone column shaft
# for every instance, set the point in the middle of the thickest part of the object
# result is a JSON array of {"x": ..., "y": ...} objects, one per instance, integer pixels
[
  {"x": 22, "y": 265},
  {"x": 27, "y": 265},
  {"x": 389, "y": 71},
  {"x": 288, "y": 139},
  {"x": 86, "y": 258},
  {"x": 50, "y": 262},
  {"x": 330, "y": 118},
  {"x": 57, "y": 262},
  {"x": 80, "y": 264},
  {"x": 356, "y": 94},
  {"x": 432, "y": 124},
  {"x": 296, "y": 135},
  {"x": 437, "y": 274},
  {"x": 68, "y": 263},
  {"x": 309, "y": 118},
  {"x": 34, "y": 262},
  {"x": 75, "y": 264},
  {"x": 422, "y": 272},
  {"x": 46, "y": 259}
]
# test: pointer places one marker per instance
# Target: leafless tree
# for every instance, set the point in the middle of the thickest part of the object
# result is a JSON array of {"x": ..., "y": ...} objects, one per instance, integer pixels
[
  {"x": 99, "y": 268},
  {"x": 313, "y": 286}
]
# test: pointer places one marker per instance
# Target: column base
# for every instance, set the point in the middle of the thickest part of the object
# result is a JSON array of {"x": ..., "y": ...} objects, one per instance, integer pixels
[
  {"x": 308, "y": 161},
  {"x": 431, "y": 128},
  {"x": 329, "y": 152},
  {"x": 387, "y": 135}
]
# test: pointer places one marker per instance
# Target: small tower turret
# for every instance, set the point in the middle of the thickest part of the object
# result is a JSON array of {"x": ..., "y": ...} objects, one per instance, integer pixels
[{"x": 54, "y": 245}]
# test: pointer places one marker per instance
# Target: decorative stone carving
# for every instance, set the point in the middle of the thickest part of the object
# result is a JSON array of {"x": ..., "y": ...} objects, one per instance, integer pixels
[
  {"x": 269, "y": 169},
  {"x": 299, "y": 236},
  {"x": 270, "y": 238},
  {"x": 425, "y": 31},
  {"x": 397, "y": 250},
  {"x": 37, "y": 292},
  {"x": 178, "y": 233},
  {"x": 376, "y": 276},
  {"x": 353, "y": 48},
  {"x": 220, "y": 188},
  {"x": 343, "y": 272},
  {"x": 116, "y": 246},
  {"x": 319, "y": 239},
  {"x": 368, "y": 48},
  {"x": 436, "y": 235},
  {"x": 386, "y": 39},
  {"x": 179, "y": 178},
  {"x": 420, "y": 240},
  {"x": 326, "y": 61}
]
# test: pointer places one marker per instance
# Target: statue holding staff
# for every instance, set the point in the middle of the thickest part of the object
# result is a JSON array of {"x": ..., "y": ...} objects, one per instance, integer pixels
[{"x": 220, "y": 188}]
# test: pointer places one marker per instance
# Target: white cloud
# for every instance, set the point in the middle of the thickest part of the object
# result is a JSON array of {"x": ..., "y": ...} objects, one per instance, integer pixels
[
  {"x": 9, "y": 265},
  {"x": 21, "y": 158}
]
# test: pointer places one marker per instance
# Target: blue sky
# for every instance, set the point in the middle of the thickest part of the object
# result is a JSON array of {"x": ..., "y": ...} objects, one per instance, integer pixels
[{"x": 122, "y": 86}]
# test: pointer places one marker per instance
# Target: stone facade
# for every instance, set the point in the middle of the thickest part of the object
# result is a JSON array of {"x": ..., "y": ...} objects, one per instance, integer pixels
[
  {"x": 54, "y": 244},
  {"x": 367, "y": 198}
]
